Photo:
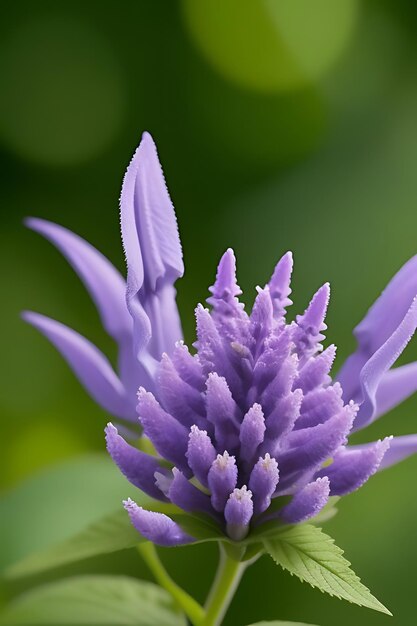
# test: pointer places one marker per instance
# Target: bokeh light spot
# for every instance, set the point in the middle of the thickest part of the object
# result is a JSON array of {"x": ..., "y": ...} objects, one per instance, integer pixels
[
  {"x": 63, "y": 93},
  {"x": 270, "y": 45}
]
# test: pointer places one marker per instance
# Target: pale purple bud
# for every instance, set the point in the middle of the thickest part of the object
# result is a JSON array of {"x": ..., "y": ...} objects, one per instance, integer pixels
[
  {"x": 279, "y": 285},
  {"x": 352, "y": 466},
  {"x": 187, "y": 496},
  {"x": 252, "y": 432},
  {"x": 156, "y": 527},
  {"x": 238, "y": 513},
  {"x": 311, "y": 324},
  {"x": 307, "y": 502},
  {"x": 316, "y": 370},
  {"x": 222, "y": 479},
  {"x": 169, "y": 437},
  {"x": 263, "y": 482},
  {"x": 221, "y": 410},
  {"x": 138, "y": 467},
  {"x": 200, "y": 453}
]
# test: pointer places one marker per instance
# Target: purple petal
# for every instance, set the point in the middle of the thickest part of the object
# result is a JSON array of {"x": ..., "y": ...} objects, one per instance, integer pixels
[
  {"x": 252, "y": 431},
  {"x": 222, "y": 479},
  {"x": 225, "y": 286},
  {"x": 319, "y": 405},
  {"x": 263, "y": 483},
  {"x": 400, "y": 448},
  {"x": 316, "y": 370},
  {"x": 276, "y": 352},
  {"x": 286, "y": 413},
  {"x": 313, "y": 446},
  {"x": 221, "y": 411},
  {"x": 228, "y": 312},
  {"x": 353, "y": 465},
  {"x": 200, "y": 454},
  {"x": 279, "y": 285},
  {"x": 311, "y": 324},
  {"x": 188, "y": 366},
  {"x": 261, "y": 318},
  {"x": 395, "y": 387},
  {"x": 90, "y": 366},
  {"x": 307, "y": 502},
  {"x": 156, "y": 527},
  {"x": 238, "y": 513},
  {"x": 187, "y": 496},
  {"x": 169, "y": 437},
  {"x": 179, "y": 398},
  {"x": 380, "y": 322},
  {"x": 281, "y": 384},
  {"x": 105, "y": 284},
  {"x": 138, "y": 467},
  {"x": 373, "y": 371},
  {"x": 153, "y": 250}
]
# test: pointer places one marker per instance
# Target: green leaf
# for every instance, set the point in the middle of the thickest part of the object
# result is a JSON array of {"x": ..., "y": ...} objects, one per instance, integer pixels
[
  {"x": 59, "y": 502},
  {"x": 112, "y": 533},
  {"x": 310, "y": 554},
  {"x": 85, "y": 600},
  {"x": 201, "y": 527}
]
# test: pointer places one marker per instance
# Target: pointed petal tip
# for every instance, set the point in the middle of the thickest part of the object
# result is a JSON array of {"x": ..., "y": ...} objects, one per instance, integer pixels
[{"x": 225, "y": 284}]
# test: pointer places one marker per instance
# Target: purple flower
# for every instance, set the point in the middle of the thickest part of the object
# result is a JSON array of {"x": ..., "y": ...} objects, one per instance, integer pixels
[{"x": 253, "y": 414}]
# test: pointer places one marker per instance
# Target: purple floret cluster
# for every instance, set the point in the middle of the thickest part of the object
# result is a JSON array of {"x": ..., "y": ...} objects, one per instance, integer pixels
[{"x": 251, "y": 416}]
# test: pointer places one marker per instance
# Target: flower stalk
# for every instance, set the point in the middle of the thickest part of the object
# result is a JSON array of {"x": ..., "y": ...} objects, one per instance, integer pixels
[
  {"x": 227, "y": 579},
  {"x": 191, "y": 607}
]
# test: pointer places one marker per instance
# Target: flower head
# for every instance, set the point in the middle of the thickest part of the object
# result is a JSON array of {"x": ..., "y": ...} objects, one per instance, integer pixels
[{"x": 250, "y": 428}]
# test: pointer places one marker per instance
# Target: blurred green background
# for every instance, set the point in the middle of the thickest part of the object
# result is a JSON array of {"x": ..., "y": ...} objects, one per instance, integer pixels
[{"x": 281, "y": 124}]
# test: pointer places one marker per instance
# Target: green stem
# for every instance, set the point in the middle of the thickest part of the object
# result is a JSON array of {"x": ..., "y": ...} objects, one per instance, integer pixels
[
  {"x": 227, "y": 579},
  {"x": 191, "y": 607}
]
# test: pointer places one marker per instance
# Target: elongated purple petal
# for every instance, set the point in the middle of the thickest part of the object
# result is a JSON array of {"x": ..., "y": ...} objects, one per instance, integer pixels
[
  {"x": 282, "y": 419},
  {"x": 169, "y": 437},
  {"x": 90, "y": 366},
  {"x": 316, "y": 370},
  {"x": 307, "y": 502},
  {"x": 153, "y": 250},
  {"x": 380, "y": 322},
  {"x": 311, "y": 324},
  {"x": 187, "y": 496},
  {"x": 188, "y": 366},
  {"x": 395, "y": 387},
  {"x": 222, "y": 479},
  {"x": 353, "y": 465},
  {"x": 279, "y": 285},
  {"x": 221, "y": 409},
  {"x": 400, "y": 448},
  {"x": 261, "y": 318},
  {"x": 319, "y": 405},
  {"x": 373, "y": 371},
  {"x": 252, "y": 431},
  {"x": 200, "y": 454},
  {"x": 315, "y": 445},
  {"x": 179, "y": 398},
  {"x": 156, "y": 527},
  {"x": 263, "y": 482},
  {"x": 138, "y": 467},
  {"x": 238, "y": 513},
  {"x": 105, "y": 284}
]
